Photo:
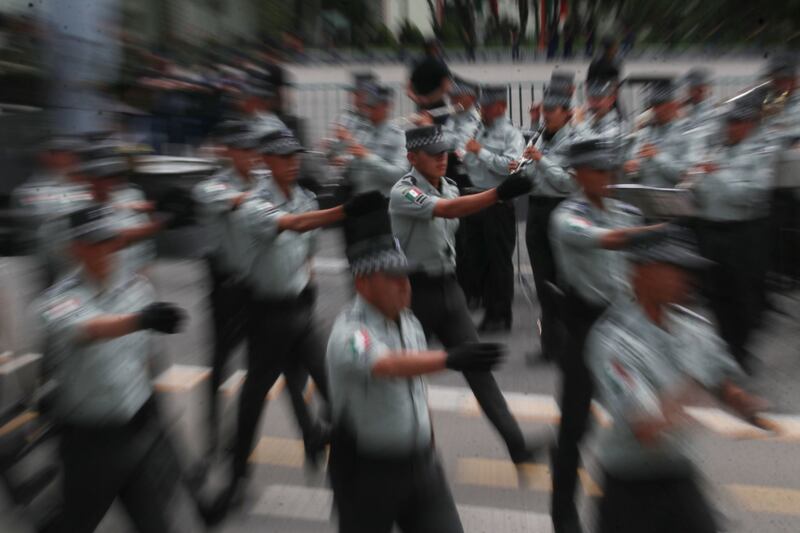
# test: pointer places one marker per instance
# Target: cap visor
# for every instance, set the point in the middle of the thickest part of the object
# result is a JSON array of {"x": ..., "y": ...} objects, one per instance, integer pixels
[{"x": 437, "y": 148}]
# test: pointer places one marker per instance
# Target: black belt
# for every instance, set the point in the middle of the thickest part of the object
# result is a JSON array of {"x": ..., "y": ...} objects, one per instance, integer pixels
[
  {"x": 427, "y": 278},
  {"x": 304, "y": 299}
]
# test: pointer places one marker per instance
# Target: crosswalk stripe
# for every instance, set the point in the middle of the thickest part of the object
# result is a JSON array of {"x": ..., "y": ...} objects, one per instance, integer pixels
[
  {"x": 524, "y": 406},
  {"x": 315, "y": 504},
  {"x": 497, "y": 473}
]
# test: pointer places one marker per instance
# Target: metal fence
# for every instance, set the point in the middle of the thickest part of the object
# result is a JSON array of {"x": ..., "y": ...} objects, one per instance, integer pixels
[{"x": 320, "y": 104}]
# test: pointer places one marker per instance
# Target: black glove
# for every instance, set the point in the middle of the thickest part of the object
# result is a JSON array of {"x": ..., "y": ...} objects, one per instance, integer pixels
[
  {"x": 475, "y": 356},
  {"x": 514, "y": 186},
  {"x": 162, "y": 316},
  {"x": 364, "y": 203}
]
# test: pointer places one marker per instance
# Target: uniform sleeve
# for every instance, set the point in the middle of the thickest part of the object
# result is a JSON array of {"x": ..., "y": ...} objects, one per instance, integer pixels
[
  {"x": 259, "y": 217},
  {"x": 213, "y": 198},
  {"x": 704, "y": 357},
  {"x": 671, "y": 166},
  {"x": 59, "y": 321},
  {"x": 406, "y": 199},
  {"x": 356, "y": 350},
  {"x": 552, "y": 169},
  {"x": 390, "y": 166},
  {"x": 570, "y": 227},
  {"x": 498, "y": 163},
  {"x": 622, "y": 388}
]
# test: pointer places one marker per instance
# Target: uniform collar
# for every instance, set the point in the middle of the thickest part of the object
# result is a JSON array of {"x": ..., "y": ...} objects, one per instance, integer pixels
[
  {"x": 277, "y": 192},
  {"x": 423, "y": 183},
  {"x": 371, "y": 314}
]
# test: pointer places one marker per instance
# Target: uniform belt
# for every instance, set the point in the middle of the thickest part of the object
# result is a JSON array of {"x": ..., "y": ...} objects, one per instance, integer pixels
[
  {"x": 427, "y": 277},
  {"x": 304, "y": 299}
]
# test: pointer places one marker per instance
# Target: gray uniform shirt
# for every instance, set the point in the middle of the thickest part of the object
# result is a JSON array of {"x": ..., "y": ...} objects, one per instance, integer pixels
[
  {"x": 635, "y": 363},
  {"x": 461, "y": 127},
  {"x": 550, "y": 174},
  {"x": 387, "y": 415},
  {"x": 214, "y": 197},
  {"x": 576, "y": 227},
  {"x": 140, "y": 254},
  {"x": 100, "y": 382},
  {"x": 278, "y": 262},
  {"x": 610, "y": 127},
  {"x": 501, "y": 143},
  {"x": 676, "y": 153},
  {"x": 741, "y": 188},
  {"x": 426, "y": 240},
  {"x": 386, "y": 161}
]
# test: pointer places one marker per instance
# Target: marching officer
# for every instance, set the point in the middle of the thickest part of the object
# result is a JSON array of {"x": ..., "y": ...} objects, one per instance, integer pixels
[
  {"x": 699, "y": 110},
  {"x": 383, "y": 466},
  {"x": 282, "y": 332},
  {"x": 734, "y": 194},
  {"x": 352, "y": 118},
  {"x": 586, "y": 231},
  {"x": 551, "y": 184},
  {"x": 662, "y": 152},
  {"x": 216, "y": 199},
  {"x": 96, "y": 325},
  {"x": 425, "y": 207},
  {"x": 491, "y": 234},
  {"x": 603, "y": 120},
  {"x": 378, "y": 155},
  {"x": 460, "y": 127},
  {"x": 645, "y": 354},
  {"x": 781, "y": 71}
]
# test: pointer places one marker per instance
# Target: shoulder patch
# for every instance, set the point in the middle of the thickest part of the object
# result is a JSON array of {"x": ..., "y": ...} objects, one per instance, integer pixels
[
  {"x": 415, "y": 195},
  {"x": 360, "y": 342},
  {"x": 409, "y": 179}
]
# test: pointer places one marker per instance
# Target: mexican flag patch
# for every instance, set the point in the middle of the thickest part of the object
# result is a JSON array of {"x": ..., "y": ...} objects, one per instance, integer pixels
[
  {"x": 360, "y": 342},
  {"x": 415, "y": 195}
]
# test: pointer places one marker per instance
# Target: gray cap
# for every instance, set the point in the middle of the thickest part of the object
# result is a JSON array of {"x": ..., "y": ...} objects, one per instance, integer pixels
[
  {"x": 281, "y": 142},
  {"x": 429, "y": 139},
  {"x": 678, "y": 247},
  {"x": 462, "y": 87},
  {"x": 360, "y": 78},
  {"x": 600, "y": 88},
  {"x": 376, "y": 94},
  {"x": 698, "y": 77},
  {"x": 493, "y": 93},
  {"x": 562, "y": 80},
  {"x": 371, "y": 247},
  {"x": 92, "y": 224},
  {"x": 595, "y": 153},
  {"x": 661, "y": 92},
  {"x": 557, "y": 96}
]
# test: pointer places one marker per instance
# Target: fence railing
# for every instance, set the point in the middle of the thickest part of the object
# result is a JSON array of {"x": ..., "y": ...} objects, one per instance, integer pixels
[{"x": 320, "y": 104}]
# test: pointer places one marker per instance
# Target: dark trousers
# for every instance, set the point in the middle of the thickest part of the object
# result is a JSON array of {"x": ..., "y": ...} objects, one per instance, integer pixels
[
  {"x": 655, "y": 506},
  {"x": 282, "y": 337},
  {"x": 543, "y": 263},
  {"x": 735, "y": 284},
  {"x": 491, "y": 237},
  {"x": 134, "y": 462},
  {"x": 373, "y": 493},
  {"x": 576, "y": 398},
  {"x": 228, "y": 300},
  {"x": 440, "y": 306}
]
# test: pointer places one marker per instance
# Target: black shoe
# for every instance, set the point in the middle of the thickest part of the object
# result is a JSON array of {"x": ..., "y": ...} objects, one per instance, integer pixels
[
  {"x": 217, "y": 510},
  {"x": 315, "y": 442}
]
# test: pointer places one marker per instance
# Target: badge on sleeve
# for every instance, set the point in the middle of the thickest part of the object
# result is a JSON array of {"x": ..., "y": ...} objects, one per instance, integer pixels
[
  {"x": 414, "y": 194},
  {"x": 360, "y": 342}
]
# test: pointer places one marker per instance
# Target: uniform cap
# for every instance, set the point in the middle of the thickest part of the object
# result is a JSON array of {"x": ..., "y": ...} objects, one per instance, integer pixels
[{"x": 429, "y": 139}]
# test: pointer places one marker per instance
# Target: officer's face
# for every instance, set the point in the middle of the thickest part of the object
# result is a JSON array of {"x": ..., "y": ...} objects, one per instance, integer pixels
[
  {"x": 284, "y": 168},
  {"x": 600, "y": 104},
  {"x": 555, "y": 117},
  {"x": 243, "y": 160},
  {"x": 97, "y": 259},
  {"x": 698, "y": 94},
  {"x": 739, "y": 129},
  {"x": 465, "y": 101},
  {"x": 390, "y": 294},
  {"x": 662, "y": 284},
  {"x": 379, "y": 113},
  {"x": 430, "y": 166},
  {"x": 493, "y": 111},
  {"x": 666, "y": 111},
  {"x": 594, "y": 182}
]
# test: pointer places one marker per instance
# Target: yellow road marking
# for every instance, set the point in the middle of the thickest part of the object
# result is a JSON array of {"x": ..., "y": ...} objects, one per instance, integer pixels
[
  {"x": 499, "y": 473},
  {"x": 279, "y": 452},
  {"x": 767, "y": 499},
  {"x": 181, "y": 378}
]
